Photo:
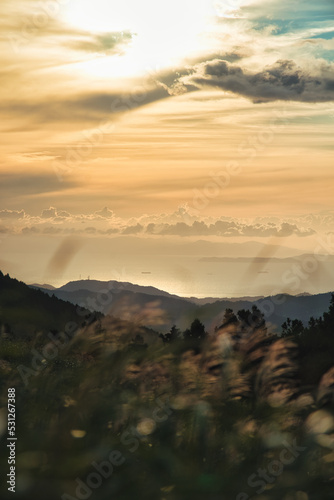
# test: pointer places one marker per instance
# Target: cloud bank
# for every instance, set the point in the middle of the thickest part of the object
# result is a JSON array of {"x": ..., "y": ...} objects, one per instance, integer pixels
[{"x": 180, "y": 223}]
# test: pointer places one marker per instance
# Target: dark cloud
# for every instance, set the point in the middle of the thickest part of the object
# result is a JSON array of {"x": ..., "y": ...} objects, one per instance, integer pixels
[
  {"x": 93, "y": 106},
  {"x": 119, "y": 102},
  {"x": 283, "y": 81}
]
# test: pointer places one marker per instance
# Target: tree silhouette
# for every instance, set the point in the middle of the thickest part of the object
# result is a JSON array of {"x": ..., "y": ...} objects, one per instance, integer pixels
[
  {"x": 172, "y": 335},
  {"x": 251, "y": 320},
  {"x": 229, "y": 318},
  {"x": 292, "y": 328},
  {"x": 315, "y": 343},
  {"x": 328, "y": 317},
  {"x": 195, "y": 332}
]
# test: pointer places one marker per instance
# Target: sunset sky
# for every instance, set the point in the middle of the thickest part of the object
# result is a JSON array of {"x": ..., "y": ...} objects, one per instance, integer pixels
[{"x": 164, "y": 121}]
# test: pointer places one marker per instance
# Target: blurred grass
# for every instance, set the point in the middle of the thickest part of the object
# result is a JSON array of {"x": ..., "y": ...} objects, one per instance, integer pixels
[
  {"x": 193, "y": 418},
  {"x": 207, "y": 447}
]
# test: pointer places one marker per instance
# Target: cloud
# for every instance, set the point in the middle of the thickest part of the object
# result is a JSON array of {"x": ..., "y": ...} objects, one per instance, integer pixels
[
  {"x": 105, "y": 213},
  {"x": 41, "y": 156},
  {"x": 29, "y": 184},
  {"x": 30, "y": 230},
  {"x": 285, "y": 10},
  {"x": 106, "y": 43},
  {"x": 227, "y": 228},
  {"x": 181, "y": 223},
  {"x": 89, "y": 106},
  {"x": 12, "y": 214},
  {"x": 281, "y": 81},
  {"x": 138, "y": 228},
  {"x": 49, "y": 213},
  {"x": 63, "y": 213},
  {"x": 32, "y": 20},
  {"x": 284, "y": 80},
  {"x": 90, "y": 230},
  {"x": 53, "y": 230}
]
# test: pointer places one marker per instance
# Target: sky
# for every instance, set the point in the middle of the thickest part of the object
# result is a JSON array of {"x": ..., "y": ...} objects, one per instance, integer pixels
[{"x": 164, "y": 123}]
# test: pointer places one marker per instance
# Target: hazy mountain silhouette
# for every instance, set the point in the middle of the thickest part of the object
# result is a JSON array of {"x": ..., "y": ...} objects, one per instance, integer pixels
[
  {"x": 46, "y": 286},
  {"x": 128, "y": 301},
  {"x": 98, "y": 286},
  {"x": 28, "y": 314}
]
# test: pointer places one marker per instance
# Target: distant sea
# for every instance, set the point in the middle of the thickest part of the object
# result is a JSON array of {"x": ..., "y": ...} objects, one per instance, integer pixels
[{"x": 190, "y": 276}]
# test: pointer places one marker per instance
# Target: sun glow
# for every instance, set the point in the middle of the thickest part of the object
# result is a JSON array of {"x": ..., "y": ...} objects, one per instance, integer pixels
[{"x": 163, "y": 32}]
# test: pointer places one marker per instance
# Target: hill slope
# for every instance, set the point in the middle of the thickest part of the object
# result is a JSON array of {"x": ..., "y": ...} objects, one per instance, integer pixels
[
  {"x": 25, "y": 311},
  {"x": 160, "y": 310}
]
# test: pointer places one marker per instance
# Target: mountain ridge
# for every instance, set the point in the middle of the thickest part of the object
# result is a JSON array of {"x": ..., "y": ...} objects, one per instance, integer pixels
[{"x": 162, "y": 310}]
